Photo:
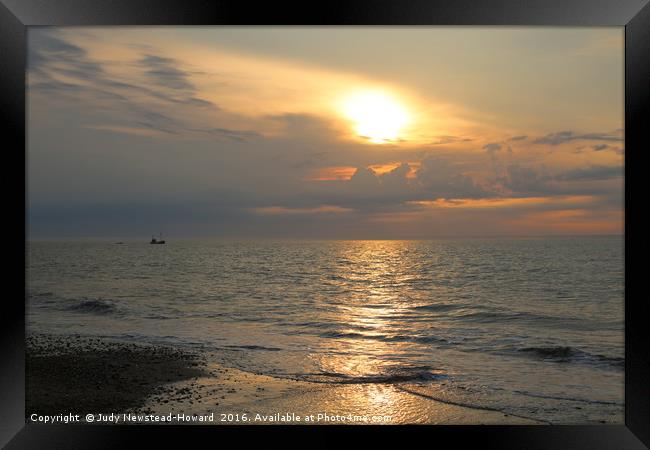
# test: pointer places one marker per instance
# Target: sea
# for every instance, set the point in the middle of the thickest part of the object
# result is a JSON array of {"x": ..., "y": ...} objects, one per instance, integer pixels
[{"x": 532, "y": 327}]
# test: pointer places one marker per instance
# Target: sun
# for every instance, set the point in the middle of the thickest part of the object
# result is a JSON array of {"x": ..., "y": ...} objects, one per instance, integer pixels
[{"x": 376, "y": 116}]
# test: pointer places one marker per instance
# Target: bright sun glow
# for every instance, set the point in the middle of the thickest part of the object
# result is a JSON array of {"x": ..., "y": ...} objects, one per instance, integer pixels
[{"x": 376, "y": 116}]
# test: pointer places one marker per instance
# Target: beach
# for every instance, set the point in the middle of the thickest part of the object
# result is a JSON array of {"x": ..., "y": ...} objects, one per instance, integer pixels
[
  {"x": 72, "y": 374},
  {"x": 86, "y": 375}
]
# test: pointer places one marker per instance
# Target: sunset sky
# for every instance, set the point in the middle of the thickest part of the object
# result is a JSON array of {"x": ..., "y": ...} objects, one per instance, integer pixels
[{"x": 325, "y": 132}]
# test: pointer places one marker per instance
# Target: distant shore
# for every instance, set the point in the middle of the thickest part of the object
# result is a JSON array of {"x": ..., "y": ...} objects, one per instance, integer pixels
[{"x": 86, "y": 375}]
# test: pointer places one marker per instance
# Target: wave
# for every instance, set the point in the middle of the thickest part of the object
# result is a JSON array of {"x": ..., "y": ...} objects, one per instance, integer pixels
[
  {"x": 438, "y": 307},
  {"x": 611, "y": 360},
  {"x": 501, "y": 316},
  {"x": 441, "y": 399},
  {"x": 570, "y": 354},
  {"x": 347, "y": 335},
  {"x": 385, "y": 338},
  {"x": 550, "y": 352},
  {"x": 569, "y": 399},
  {"x": 96, "y": 306},
  {"x": 80, "y": 305},
  {"x": 254, "y": 347},
  {"x": 400, "y": 375},
  {"x": 417, "y": 339}
]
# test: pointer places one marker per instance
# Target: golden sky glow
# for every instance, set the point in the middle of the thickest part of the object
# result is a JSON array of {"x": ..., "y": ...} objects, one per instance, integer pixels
[{"x": 444, "y": 131}]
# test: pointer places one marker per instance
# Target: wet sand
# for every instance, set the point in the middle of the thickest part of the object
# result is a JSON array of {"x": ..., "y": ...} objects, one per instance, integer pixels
[
  {"x": 81, "y": 375},
  {"x": 269, "y": 400}
]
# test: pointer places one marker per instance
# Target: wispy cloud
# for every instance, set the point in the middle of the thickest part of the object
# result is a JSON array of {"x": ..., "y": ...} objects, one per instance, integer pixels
[
  {"x": 441, "y": 140},
  {"x": 562, "y": 137},
  {"x": 59, "y": 67},
  {"x": 164, "y": 71}
]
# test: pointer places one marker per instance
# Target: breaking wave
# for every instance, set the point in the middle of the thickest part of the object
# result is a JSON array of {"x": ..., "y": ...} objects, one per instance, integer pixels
[
  {"x": 570, "y": 354},
  {"x": 397, "y": 376},
  {"x": 81, "y": 305},
  {"x": 95, "y": 306}
]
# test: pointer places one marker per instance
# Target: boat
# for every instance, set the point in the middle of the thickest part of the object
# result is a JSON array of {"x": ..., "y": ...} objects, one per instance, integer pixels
[{"x": 157, "y": 241}]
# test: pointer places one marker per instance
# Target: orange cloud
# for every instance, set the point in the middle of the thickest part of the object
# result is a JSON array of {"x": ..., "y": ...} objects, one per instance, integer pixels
[
  {"x": 503, "y": 202},
  {"x": 342, "y": 173},
  {"x": 334, "y": 173},
  {"x": 381, "y": 169}
]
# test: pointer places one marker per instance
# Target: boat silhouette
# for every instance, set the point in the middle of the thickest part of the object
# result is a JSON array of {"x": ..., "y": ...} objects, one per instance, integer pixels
[{"x": 157, "y": 241}]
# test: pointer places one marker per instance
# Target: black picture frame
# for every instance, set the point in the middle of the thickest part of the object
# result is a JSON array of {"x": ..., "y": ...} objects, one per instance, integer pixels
[{"x": 634, "y": 15}]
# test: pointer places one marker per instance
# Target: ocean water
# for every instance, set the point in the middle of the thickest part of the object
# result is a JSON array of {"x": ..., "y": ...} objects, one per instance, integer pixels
[{"x": 531, "y": 327}]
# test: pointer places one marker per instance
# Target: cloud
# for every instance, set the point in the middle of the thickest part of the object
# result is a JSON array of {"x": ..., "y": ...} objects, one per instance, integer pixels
[
  {"x": 546, "y": 202},
  {"x": 313, "y": 159},
  {"x": 526, "y": 180},
  {"x": 307, "y": 126},
  {"x": 434, "y": 178},
  {"x": 188, "y": 99},
  {"x": 52, "y": 57},
  {"x": 518, "y": 138},
  {"x": 531, "y": 181},
  {"x": 226, "y": 133},
  {"x": 562, "y": 137},
  {"x": 492, "y": 147},
  {"x": 441, "y": 140},
  {"x": 56, "y": 86},
  {"x": 441, "y": 179},
  {"x": 391, "y": 190},
  {"x": 397, "y": 178},
  {"x": 364, "y": 180},
  {"x": 600, "y": 147},
  {"x": 593, "y": 173},
  {"x": 46, "y": 49},
  {"x": 163, "y": 71}
]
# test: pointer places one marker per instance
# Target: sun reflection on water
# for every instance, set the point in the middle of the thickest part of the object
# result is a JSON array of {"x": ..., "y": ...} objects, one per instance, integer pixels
[{"x": 369, "y": 348}]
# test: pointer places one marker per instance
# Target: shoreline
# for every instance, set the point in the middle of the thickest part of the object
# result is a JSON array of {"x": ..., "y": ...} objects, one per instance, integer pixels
[{"x": 88, "y": 375}]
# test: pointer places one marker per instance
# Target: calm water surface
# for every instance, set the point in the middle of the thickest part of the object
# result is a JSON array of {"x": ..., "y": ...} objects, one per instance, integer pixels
[{"x": 531, "y": 327}]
